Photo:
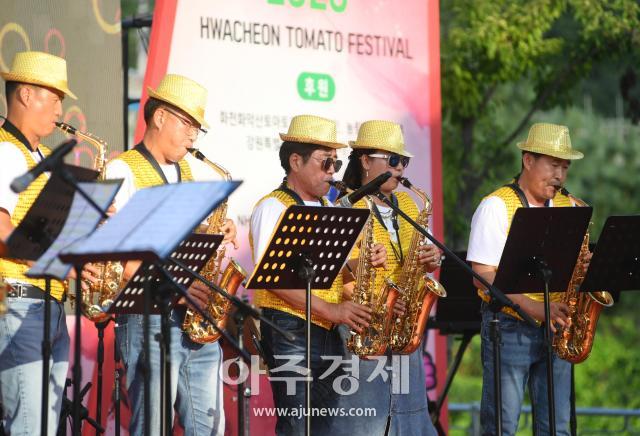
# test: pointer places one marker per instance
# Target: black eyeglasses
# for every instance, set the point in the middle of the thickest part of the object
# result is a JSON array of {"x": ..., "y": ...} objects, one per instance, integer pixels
[
  {"x": 393, "y": 159},
  {"x": 326, "y": 163},
  {"x": 191, "y": 128}
]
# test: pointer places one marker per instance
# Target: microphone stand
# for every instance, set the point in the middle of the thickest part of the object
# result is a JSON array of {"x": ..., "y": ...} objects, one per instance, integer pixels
[
  {"x": 50, "y": 163},
  {"x": 78, "y": 413},
  {"x": 498, "y": 301}
]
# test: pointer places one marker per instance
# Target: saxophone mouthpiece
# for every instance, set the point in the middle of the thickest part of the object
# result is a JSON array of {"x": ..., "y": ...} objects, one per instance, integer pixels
[
  {"x": 561, "y": 189},
  {"x": 196, "y": 153},
  {"x": 66, "y": 127},
  {"x": 405, "y": 182}
]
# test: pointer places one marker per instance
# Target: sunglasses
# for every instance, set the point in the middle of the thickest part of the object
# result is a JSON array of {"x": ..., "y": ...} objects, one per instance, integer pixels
[
  {"x": 393, "y": 159},
  {"x": 326, "y": 163}
]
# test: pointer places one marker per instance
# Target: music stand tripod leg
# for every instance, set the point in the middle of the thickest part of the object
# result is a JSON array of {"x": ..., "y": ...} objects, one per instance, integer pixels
[
  {"x": 77, "y": 355},
  {"x": 146, "y": 363},
  {"x": 464, "y": 343},
  {"x": 244, "y": 391},
  {"x": 100, "y": 326},
  {"x": 306, "y": 272},
  {"x": 545, "y": 272},
  {"x": 162, "y": 296},
  {"x": 46, "y": 356},
  {"x": 116, "y": 385},
  {"x": 494, "y": 333}
]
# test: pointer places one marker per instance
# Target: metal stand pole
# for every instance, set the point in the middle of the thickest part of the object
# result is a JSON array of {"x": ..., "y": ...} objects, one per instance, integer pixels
[{"x": 46, "y": 356}]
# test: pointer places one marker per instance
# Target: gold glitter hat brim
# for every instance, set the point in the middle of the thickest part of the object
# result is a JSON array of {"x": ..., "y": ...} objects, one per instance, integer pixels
[
  {"x": 381, "y": 135},
  {"x": 311, "y": 129},
  {"x": 39, "y": 68},
  {"x": 542, "y": 149},
  {"x": 551, "y": 140},
  {"x": 183, "y": 93}
]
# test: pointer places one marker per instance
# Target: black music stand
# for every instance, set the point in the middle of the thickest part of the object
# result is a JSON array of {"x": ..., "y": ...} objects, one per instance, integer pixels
[
  {"x": 459, "y": 313},
  {"x": 195, "y": 251},
  {"x": 81, "y": 221},
  {"x": 36, "y": 234},
  {"x": 149, "y": 228},
  {"x": 540, "y": 253},
  {"x": 46, "y": 217},
  {"x": 308, "y": 247},
  {"x": 615, "y": 265}
]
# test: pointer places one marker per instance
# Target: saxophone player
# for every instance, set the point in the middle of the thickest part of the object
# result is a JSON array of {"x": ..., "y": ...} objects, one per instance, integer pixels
[
  {"x": 174, "y": 117},
  {"x": 308, "y": 157},
  {"x": 34, "y": 89},
  {"x": 546, "y": 158},
  {"x": 378, "y": 148}
]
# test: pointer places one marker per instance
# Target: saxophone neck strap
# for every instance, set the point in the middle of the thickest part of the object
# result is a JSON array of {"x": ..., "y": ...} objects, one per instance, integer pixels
[
  {"x": 284, "y": 187},
  {"x": 515, "y": 187},
  {"x": 144, "y": 151},
  {"x": 397, "y": 251},
  {"x": 13, "y": 130}
]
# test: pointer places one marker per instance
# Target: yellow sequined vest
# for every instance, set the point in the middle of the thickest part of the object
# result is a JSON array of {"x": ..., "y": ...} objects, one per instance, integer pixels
[
  {"x": 145, "y": 175},
  {"x": 512, "y": 202},
  {"x": 12, "y": 269},
  {"x": 264, "y": 298},
  {"x": 381, "y": 235}
]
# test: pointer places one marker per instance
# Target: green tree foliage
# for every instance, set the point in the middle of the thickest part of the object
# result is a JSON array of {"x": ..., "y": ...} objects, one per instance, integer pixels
[
  {"x": 520, "y": 57},
  {"x": 507, "y": 64}
]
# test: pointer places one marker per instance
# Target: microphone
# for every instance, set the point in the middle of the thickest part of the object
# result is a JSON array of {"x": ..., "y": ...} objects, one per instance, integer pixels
[
  {"x": 369, "y": 188},
  {"x": 49, "y": 163}
]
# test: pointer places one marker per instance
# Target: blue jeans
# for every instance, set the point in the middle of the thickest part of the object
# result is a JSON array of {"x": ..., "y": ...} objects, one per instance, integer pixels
[
  {"x": 323, "y": 395},
  {"x": 196, "y": 382},
  {"x": 523, "y": 363},
  {"x": 404, "y": 398},
  {"x": 21, "y": 335}
]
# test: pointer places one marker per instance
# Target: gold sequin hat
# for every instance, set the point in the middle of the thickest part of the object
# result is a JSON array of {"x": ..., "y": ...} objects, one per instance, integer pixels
[
  {"x": 311, "y": 129},
  {"x": 183, "y": 93},
  {"x": 550, "y": 139},
  {"x": 38, "y": 68},
  {"x": 381, "y": 135}
]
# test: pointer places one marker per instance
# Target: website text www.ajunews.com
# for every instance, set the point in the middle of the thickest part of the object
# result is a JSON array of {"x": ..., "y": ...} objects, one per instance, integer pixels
[{"x": 299, "y": 412}]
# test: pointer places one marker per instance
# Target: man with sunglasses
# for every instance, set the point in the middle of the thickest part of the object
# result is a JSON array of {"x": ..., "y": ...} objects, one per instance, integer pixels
[
  {"x": 308, "y": 156},
  {"x": 379, "y": 148},
  {"x": 174, "y": 117}
]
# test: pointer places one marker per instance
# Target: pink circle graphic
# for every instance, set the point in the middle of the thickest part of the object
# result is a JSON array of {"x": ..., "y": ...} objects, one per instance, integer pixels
[
  {"x": 55, "y": 32},
  {"x": 79, "y": 151},
  {"x": 76, "y": 112}
]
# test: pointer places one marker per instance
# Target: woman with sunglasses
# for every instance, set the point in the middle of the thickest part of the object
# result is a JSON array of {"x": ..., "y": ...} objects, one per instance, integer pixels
[{"x": 380, "y": 148}]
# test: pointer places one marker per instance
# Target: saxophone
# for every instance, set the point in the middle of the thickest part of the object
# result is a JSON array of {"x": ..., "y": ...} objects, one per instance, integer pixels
[
  {"x": 574, "y": 342},
  {"x": 374, "y": 339},
  {"x": 97, "y": 299},
  {"x": 198, "y": 329},
  {"x": 417, "y": 290}
]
